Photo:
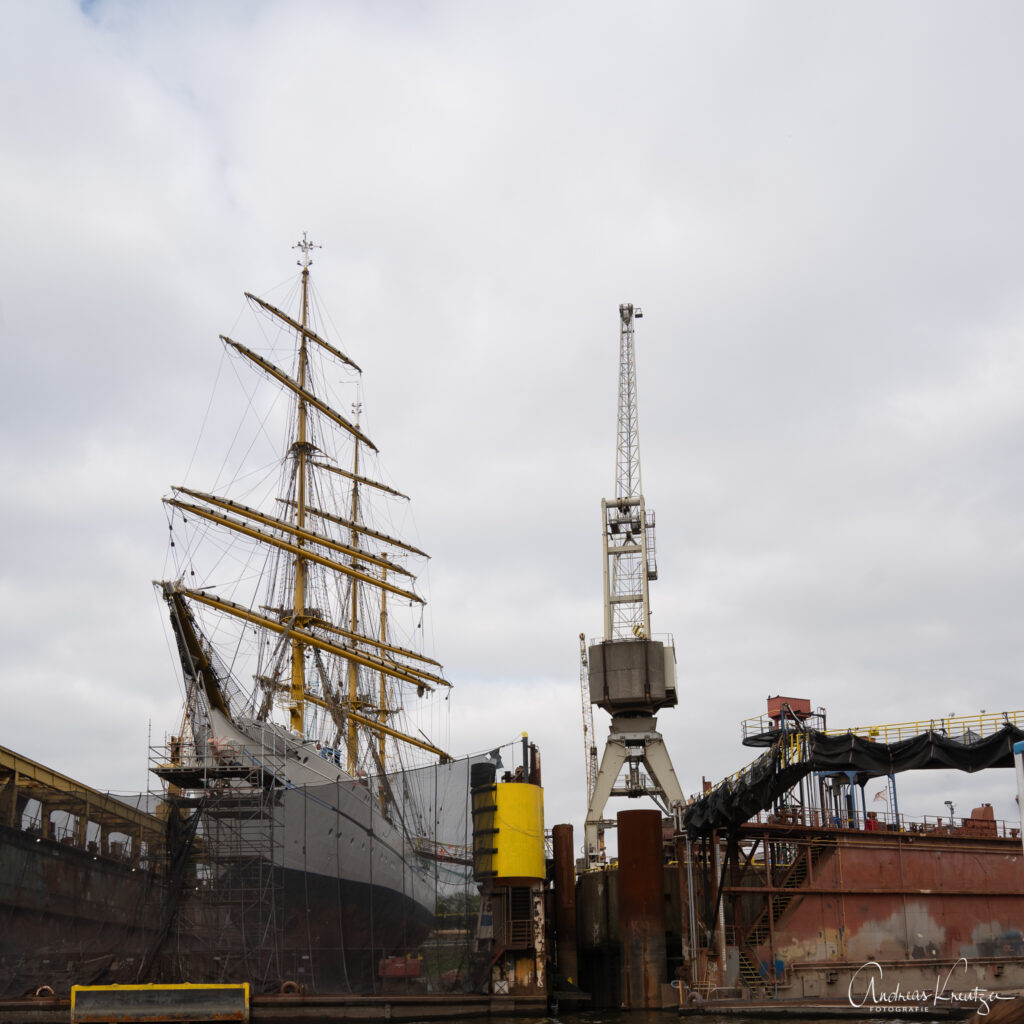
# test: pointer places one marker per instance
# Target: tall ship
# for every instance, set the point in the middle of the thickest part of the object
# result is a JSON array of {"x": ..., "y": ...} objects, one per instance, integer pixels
[{"x": 316, "y": 826}]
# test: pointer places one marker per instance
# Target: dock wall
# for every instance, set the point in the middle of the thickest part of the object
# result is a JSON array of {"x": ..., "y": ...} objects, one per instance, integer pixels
[{"x": 801, "y": 913}]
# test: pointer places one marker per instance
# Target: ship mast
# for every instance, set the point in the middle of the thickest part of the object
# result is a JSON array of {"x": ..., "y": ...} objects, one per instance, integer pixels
[
  {"x": 382, "y": 710},
  {"x": 355, "y": 559},
  {"x": 353, "y": 622},
  {"x": 300, "y": 451}
]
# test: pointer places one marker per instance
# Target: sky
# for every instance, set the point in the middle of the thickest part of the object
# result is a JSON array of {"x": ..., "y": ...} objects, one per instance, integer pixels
[{"x": 817, "y": 206}]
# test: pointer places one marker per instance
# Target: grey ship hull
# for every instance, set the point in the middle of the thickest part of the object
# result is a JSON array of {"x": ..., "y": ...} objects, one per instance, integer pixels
[{"x": 312, "y": 881}]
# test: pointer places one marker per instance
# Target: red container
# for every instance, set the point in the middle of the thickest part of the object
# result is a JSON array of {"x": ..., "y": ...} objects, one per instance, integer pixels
[{"x": 400, "y": 967}]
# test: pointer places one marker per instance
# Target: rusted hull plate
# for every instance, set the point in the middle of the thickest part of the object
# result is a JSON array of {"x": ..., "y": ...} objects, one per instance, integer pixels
[{"x": 907, "y": 901}]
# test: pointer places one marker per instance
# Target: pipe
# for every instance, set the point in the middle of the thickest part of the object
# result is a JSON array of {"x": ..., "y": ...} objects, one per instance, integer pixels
[
  {"x": 641, "y": 908},
  {"x": 566, "y": 950}
]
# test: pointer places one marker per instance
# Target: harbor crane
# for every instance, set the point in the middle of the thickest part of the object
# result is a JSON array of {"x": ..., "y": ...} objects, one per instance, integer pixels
[{"x": 630, "y": 673}]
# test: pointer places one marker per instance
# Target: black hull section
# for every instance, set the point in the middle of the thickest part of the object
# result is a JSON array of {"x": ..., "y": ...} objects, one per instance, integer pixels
[
  {"x": 267, "y": 926},
  {"x": 68, "y": 917},
  {"x": 348, "y": 926}
]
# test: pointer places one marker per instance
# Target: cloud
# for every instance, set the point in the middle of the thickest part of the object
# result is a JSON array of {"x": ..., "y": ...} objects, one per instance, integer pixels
[{"x": 818, "y": 211}]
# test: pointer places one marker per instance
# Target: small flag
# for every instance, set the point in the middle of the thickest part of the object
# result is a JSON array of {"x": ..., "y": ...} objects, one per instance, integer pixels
[{"x": 883, "y": 796}]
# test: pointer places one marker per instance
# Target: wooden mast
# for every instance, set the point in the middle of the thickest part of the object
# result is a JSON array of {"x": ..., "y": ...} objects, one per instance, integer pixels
[
  {"x": 352, "y": 742},
  {"x": 382, "y": 706},
  {"x": 297, "y": 691}
]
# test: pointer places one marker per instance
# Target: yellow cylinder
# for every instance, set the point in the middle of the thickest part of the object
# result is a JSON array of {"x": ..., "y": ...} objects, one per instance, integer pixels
[{"x": 519, "y": 835}]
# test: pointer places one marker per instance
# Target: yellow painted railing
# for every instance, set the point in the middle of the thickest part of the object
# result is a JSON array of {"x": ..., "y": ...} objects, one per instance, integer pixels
[{"x": 975, "y": 727}]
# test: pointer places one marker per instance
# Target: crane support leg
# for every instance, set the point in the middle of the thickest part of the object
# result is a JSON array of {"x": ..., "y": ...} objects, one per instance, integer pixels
[
  {"x": 659, "y": 765},
  {"x": 633, "y": 741},
  {"x": 612, "y": 760}
]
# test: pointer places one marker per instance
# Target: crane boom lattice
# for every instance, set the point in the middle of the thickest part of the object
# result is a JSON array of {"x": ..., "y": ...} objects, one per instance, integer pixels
[{"x": 629, "y": 527}]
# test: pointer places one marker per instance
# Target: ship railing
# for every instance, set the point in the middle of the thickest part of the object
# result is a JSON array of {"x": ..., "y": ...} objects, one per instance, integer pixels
[
  {"x": 765, "y": 725},
  {"x": 189, "y": 768},
  {"x": 965, "y": 728},
  {"x": 885, "y": 821},
  {"x": 667, "y": 639},
  {"x": 440, "y": 851},
  {"x": 794, "y": 749}
]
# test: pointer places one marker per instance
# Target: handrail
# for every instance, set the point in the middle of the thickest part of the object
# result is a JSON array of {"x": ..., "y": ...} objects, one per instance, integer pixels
[
  {"x": 889, "y": 823},
  {"x": 980, "y": 725}
]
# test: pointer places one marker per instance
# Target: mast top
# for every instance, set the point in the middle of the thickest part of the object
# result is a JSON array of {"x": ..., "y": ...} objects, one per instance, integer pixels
[{"x": 306, "y": 247}]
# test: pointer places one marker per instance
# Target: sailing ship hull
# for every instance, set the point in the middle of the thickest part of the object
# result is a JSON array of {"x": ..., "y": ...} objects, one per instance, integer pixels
[
  {"x": 346, "y": 928},
  {"x": 307, "y": 880},
  {"x": 327, "y": 934},
  {"x": 337, "y": 830}
]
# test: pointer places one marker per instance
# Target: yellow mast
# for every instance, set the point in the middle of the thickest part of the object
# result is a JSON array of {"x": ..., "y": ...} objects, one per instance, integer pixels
[
  {"x": 352, "y": 744},
  {"x": 296, "y": 696},
  {"x": 382, "y": 705}
]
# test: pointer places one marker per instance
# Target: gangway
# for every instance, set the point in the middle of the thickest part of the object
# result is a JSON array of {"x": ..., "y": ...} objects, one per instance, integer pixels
[{"x": 967, "y": 743}]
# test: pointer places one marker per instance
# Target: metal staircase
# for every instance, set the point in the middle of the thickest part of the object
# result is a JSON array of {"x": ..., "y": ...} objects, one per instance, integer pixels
[{"x": 775, "y": 906}]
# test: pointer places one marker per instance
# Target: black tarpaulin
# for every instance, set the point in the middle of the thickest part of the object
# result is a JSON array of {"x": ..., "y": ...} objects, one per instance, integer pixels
[{"x": 928, "y": 750}]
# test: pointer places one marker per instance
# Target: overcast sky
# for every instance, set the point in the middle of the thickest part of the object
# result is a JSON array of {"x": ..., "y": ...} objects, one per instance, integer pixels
[{"x": 818, "y": 207}]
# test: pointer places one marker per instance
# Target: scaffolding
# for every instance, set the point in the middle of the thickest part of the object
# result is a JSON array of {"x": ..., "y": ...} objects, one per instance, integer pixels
[
  {"x": 226, "y": 919},
  {"x": 351, "y": 885}
]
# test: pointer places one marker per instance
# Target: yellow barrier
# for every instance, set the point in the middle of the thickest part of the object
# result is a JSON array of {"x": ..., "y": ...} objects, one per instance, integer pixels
[{"x": 148, "y": 1004}]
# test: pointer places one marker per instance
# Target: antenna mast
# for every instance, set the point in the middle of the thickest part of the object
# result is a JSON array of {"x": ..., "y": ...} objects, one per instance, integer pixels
[{"x": 631, "y": 675}]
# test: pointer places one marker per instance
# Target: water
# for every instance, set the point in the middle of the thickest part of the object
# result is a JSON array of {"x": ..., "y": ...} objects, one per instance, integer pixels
[{"x": 659, "y": 1017}]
